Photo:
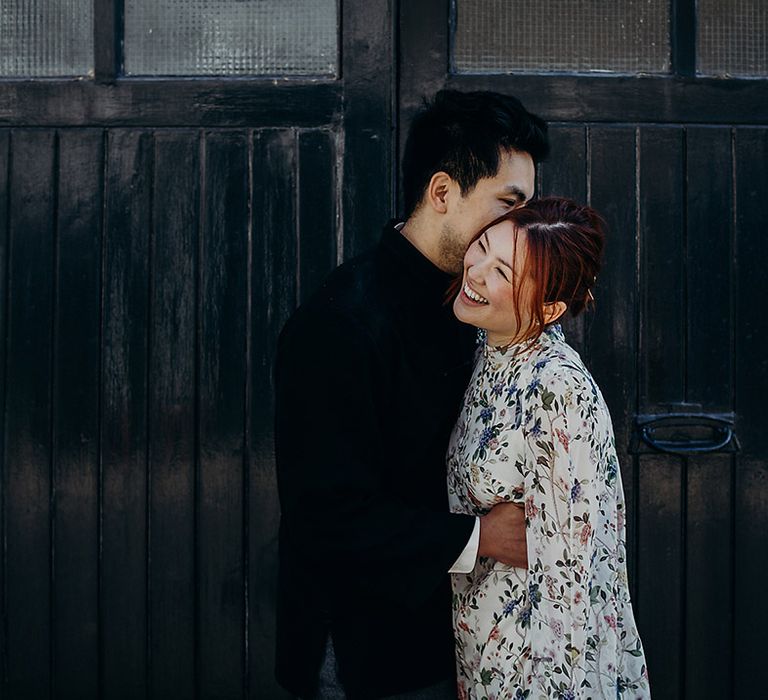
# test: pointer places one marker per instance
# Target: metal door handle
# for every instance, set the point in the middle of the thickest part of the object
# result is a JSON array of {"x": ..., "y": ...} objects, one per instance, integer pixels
[{"x": 680, "y": 430}]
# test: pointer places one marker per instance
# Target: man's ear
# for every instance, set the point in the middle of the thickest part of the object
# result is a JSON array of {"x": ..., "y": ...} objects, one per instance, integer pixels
[
  {"x": 554, "y": 310},
  {"x": 438, "y": 191}
]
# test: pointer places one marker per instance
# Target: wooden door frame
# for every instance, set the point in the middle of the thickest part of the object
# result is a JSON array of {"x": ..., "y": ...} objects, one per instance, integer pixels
[
  {"x": 357, "y": 103},
  {"x": 625, "y": 111},
  {"x": 679, "y": 97},
  {"x": 354, "y": 109}
]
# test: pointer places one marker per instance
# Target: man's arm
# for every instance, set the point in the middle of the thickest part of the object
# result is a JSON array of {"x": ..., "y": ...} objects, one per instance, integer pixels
[{"x": 500, "y": 535}]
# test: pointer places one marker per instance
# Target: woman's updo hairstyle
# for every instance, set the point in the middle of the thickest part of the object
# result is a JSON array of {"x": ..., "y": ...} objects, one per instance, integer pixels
[{"x": 565, "y": 246}]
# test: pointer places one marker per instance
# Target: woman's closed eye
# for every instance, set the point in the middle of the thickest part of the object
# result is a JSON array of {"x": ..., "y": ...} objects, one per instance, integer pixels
[{"x": 502, "y": 273}]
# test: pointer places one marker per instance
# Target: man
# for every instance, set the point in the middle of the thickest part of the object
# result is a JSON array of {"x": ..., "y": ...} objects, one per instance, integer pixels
[{"x": 370, "y": 375}]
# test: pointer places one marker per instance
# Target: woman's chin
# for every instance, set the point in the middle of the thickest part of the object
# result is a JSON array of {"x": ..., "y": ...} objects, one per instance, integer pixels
[{"x": 464, "y": 313}]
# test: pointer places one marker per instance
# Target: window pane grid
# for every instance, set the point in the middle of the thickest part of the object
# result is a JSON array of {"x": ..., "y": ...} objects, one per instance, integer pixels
[
  {"x": 617, "y": 36},
  {"x": 46, "y": 38},
  {"x": 733, "y": 38},
  {"x": 230, "y": 37}
]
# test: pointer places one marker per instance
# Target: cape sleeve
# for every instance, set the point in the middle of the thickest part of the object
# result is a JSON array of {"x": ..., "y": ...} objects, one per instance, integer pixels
[{"x": 562, "y": 495}]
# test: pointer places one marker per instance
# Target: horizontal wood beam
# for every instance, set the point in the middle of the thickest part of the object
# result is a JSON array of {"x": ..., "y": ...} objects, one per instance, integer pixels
[
  {"x": 190, "y": 102},
  {"x": 629, "y": 99}
]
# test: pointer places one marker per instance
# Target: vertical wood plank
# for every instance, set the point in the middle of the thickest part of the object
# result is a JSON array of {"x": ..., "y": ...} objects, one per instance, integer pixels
[
  {"x": 368, "y": 66},
  {"x": 172, "y": 420},
  {"x": 709, "y": 172},
  {"x": 124, "y": 414},
  {"x": 565, "y": 175},
  {"x": 28, "y": 414},
  {"x": 611, "y": 336},
  {"x": 663, "y": 266},
  {"x": 224, "y": 268},
  {"x": 751, "y": 498},
  {"x": 662, "y": 485},
  {"x": 5, "y": 156},
  {"x": 661, "y": 572},
  {"x": 317, "y": 209},
  {"x": 274, "y": 296},
  {"x": 708, "y": 594},
  {"x": 76, "y": 415},
  {"x": 709, "y": 206}
]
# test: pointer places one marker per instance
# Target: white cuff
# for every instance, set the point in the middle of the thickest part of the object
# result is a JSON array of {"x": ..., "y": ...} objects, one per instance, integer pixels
[{"x": 466, "y": 561}]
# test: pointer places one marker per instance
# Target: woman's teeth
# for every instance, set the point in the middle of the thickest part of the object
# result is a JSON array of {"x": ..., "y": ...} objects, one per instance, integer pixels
[{"x": 473, "y": 295}]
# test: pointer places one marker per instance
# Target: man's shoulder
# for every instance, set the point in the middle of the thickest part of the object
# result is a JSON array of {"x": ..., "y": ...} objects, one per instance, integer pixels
[
  {"x": 351, "y": 287},
  {"x": 350, "y": 297}
]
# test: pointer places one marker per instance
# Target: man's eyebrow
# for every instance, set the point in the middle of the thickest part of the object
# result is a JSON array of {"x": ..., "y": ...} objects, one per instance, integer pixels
[{"x": 514, "y": 190}]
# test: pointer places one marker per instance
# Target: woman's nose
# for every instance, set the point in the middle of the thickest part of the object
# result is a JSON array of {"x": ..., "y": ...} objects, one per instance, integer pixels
[
  {"x": 479, "y": 270},
  {"x": 475, "y": 276}
]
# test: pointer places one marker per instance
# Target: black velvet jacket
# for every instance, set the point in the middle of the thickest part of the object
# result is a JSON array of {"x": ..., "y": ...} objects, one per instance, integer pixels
[{"x": 370, "y": 375}]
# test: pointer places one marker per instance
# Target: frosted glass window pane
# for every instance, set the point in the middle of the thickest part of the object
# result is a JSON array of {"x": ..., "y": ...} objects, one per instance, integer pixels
[
  {"x": 733, "y": 37},
  {"x": 230, "y": 37},
  {"x": 46, "y": 38},
  {"x": 617, "y": 36}
]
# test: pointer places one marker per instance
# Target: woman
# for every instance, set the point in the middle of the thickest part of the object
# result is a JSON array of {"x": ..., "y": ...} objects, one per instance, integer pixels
[{"x": 535, "y": 430}]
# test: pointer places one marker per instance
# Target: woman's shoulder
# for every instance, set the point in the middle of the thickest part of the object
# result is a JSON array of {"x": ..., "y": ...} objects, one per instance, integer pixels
[
  {"x": 557, "y": 360},
  {"x": 558, "y": 367}
]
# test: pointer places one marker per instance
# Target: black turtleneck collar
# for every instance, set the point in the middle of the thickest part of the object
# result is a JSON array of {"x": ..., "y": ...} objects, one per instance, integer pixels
[{"x": 414, "y": 276}]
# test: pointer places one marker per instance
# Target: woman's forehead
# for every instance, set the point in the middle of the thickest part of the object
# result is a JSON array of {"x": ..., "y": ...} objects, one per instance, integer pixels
[{"x": 506, "y": 239}]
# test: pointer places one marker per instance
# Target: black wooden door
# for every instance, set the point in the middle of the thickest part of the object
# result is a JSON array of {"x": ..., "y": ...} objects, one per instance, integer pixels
[
  {"x": 677, "y": 164},
  {"x": 155, "y": 233}
]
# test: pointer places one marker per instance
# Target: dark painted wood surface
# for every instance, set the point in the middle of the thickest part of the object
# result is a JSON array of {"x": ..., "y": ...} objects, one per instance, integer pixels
[
  {"x": 139, "y": 493},
  {"x": 221, "y": 344},
  {"x": 660, "y": 504},
  {"x": 148, "y": 274},
  {"x": 154, "y": 236},
  {"x": 673, "y": 330},
  {"x": 28, "y": 460},
  {"x": 710, "y": 281},
  {"x": 174, "y": 103},
  {"x": 641, "y": 99},
  {"x": 172, "y": 407},
  {"x": 273, "y": 296},
  {"x": 125, "y": 416},
  {"x": 75, "y": 409},
  {"x": 677, "y": 326},
  {"x": 566, "y": 176},
  {"x": 750, "y": 516}
]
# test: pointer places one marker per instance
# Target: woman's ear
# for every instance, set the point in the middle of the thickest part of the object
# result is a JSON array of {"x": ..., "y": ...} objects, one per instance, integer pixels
[{"x": 554, "y": 310}]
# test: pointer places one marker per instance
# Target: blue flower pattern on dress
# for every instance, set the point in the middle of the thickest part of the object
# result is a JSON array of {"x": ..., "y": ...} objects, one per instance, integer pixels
[{"x": 535, "y": 430}]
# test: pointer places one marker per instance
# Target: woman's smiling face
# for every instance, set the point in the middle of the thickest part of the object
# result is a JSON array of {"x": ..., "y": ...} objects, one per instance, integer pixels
[
  {"x": 493, "y": 265},
  {"x": 496, "y": 293}
]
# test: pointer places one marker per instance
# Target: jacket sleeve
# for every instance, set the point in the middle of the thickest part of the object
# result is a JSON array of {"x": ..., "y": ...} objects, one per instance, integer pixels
[{"x": 334, "y": 499}]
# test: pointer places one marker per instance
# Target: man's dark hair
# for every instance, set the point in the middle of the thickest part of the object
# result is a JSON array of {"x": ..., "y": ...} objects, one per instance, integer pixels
[{"x": 463, "y": 134}]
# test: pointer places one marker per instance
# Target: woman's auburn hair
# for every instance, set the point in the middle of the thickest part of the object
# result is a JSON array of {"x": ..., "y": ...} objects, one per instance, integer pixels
[{"x": 565, "y": 247}]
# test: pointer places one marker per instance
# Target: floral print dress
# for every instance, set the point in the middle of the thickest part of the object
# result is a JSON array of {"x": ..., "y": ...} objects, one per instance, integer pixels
[{"x": 535, "y": 430}]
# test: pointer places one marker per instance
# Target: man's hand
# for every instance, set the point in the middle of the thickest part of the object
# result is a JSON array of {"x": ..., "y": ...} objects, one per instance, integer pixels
[{"x": 502, "y": 535}]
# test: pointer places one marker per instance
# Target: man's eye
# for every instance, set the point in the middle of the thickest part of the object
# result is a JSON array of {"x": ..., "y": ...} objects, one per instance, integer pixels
[
  {"x": 511, "y": 203},
  {"x": 480, "y": 243}
]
